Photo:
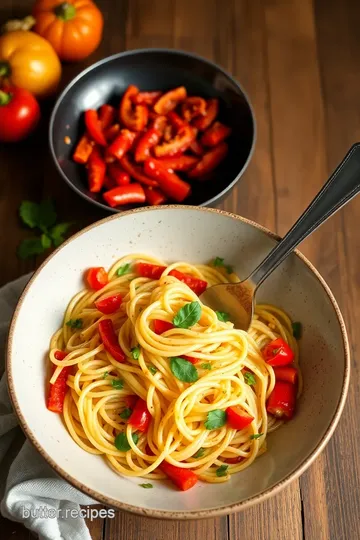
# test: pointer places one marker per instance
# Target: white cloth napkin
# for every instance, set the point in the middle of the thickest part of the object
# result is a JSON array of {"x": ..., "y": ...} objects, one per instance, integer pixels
[{"x": 30, "y": 491}]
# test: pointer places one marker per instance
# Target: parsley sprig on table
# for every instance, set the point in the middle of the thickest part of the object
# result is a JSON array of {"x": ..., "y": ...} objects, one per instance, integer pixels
[{"x": 41, "y": 217}]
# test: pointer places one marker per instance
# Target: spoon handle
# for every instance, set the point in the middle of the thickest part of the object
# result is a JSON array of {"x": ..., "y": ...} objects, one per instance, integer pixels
[{"x": 342, "y": 186}]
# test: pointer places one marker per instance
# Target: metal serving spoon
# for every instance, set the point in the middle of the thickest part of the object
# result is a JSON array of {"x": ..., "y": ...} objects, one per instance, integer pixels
[{"x": 238, "y": 299}]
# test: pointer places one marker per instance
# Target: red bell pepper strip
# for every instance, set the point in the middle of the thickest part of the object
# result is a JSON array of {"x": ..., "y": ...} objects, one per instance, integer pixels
[
  {"x": 197, "y": 148},
  {"x": 192, "y": 107},
  {"x": 281, "y": 402},
  {"x": 130, "y": 194},
  {"x": 168, "y": 181},
  {"x": 60, "y": 355},
  {"x": 168, "y": 101},
  {"x": 121, "y": 144},
  {"x": 110, "y": 304},
  {"x": 96, "y": 171},
  {"x": 209, "y": 161},
  {"x": 162, "y": 326},
  {"x": 146, "y": 98},
  {"x": 133, "y": 117},
  {"x": 198, "y": 286},
  {"x": 131, "y": 400},
  {"x": 237, "y": 418},
  {"x": 93, "y": 127},
  {"x": 83, "y": 149},
  {"x": 286, "y": 373},
  {"x": 147, "y": 270},
  {"x": 190, "y": 359},
  {"x": 120, "y": 177},
  {"x": 212, "y": 109},
  {"x": 184, "y": 479},
  {"x": 179, "y": 163},
  {"x": 110, "y": 340},
  {"x": 107, "y": 115},
  {"x": 140, "y": 418},
  {"x": 160, "y": 123},
  {"x": 97, "y": 278},
  {"x": 278, "y": 353},
  {"x": 176, "y": 121},
  {"x": 147, "y": 141},
  {"x": 154, "y": 197},
  {"x": 215, "y": 134},
  {"x": 179, "y": 143},
  {"x": 136, "y": 172},
  {"x": 55, "y": 402},
  {"x": 112, "y": 132}
]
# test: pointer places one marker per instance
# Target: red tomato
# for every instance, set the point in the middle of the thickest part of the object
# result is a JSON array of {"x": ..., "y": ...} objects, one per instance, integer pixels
[
  {"x": 109, "y": 304},
  {"x": 278, "y": 353},
  {"x": 162, "y": 326},
  {"x": 140, "y": 418},
  {"x": 97, "y": 278},
  {"x": 19, "y": 114},
  {"x": 237, "y": 418}
]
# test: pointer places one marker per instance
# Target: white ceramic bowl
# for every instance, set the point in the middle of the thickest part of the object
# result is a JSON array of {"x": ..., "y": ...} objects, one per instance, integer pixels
[{"x": 196, "y": 235}]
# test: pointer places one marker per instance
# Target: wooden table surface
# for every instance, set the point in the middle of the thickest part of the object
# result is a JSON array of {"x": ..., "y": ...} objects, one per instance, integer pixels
[{"x": 299, "y": 62}]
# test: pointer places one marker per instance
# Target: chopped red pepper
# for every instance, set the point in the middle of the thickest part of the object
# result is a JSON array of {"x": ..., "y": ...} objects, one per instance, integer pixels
[
  {"x": 121, "y": 144},
  {"x": 160, "y": 123},
  {"x": 131, "y": 400},
  {"x": 169, "y": 182},
  {"x": 234, "y": 460},
  {"x": 190, "y": 359},
  {"x": 110, "y": 340},
  {"x": 209, "y": 161},
  {"x": 184, "y": 479},
  {"x": 278, "y": 353},
  {"x": 121, "y": 195},
  {"x": 133, "y": 117},
  {"x": 179, "y": 143},
  {"x": 150, "y": 138},
  {"x": 237, "y": 418},
  {"x": 109, "y": 183},
  {"x": 176, "y": 121},
  {"x": 281, "y": 402},
  {"x": 120, "y": 177},
  {"x": 97, "y": 278},
  {"x": 107, "y": 115},
  {"x": 215, "y": 134},
  {"x": 168, "y": 101},
  {"x": 55, "y": 402},
  {"x": 146, "y": 98},
  {"x": 110, "y": 304},
  {"x": 60, "y": 355},
  {"x": 198, "y": 286},
  {"x": 154, "y": 197},
  {"x": 140, "y": 418},
  {"x": 162, "y": 326},
  {"x": 137, "y": 173},
  {"x": 212, "y": 109},
  {"x": 286, "y": 373},
  {"x": 83, "y": 149},
  {"x": 197, "y": 148},
  {"x": 192, "y": 107},
  {"x": 93, "y": 127},
  {"x": 179, "y": 163},
  {"x": 149, "y": 270},
  {"x": 112, "y": 132},
  {"x": 96, "y": 171}
]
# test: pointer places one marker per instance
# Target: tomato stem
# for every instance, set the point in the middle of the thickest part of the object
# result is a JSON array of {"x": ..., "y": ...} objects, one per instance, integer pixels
[
  {"x": 65, "y": 11},
  {"x": 5, "y": 98},
  {"x": 5, "y": 69}
]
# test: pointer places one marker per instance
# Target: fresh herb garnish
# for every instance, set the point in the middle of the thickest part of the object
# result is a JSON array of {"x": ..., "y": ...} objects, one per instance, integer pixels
[
  {"x": 222, "y": 470},
  {"x": 135, "y": 353},
  {"x": 229, "y": 269},
  {"x": 199, "y": 453},
  {"x": 126, "y": 413},
  {"x": 146, "y": 486},
  {"x": 206, "y": 365},
  {"x": 188, "y": 315},
  {"x": 74, "y": 323},
  {"x": 105, "y": 374},
  {"x": 256, "y": 435},
  {"x": 219, "y": 261},
  {"x": 215, "y": 419},
  {"x": 152, "y": 370},
  {"x": 123, "y": 269},
  {"x": 297, "y": 329},
  {"x": 222, "y": 316},
  {"x": 183, "y": 370},
  {"x": 122, "y": 443},
  {"x": 249, "y": 378},
  {"x": 117, "y": 383}
]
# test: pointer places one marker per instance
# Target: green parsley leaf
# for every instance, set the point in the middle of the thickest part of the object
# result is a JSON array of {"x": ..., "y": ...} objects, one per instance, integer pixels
[
  {"x": 249, "y": 378},
  {"x": 199, "y": 453},
  {"x": 135, "y": 352},
  {"x": 222, "y": 470},
  {"x": 105, "y": 374},
  {"x": 206, "y": 365},
  {"x": 74, "y": 323},
  {"x": 297, "y": 329},
  {"x": 29, "y": 213},
  {"x": 183, "y": 370},
  {"x": 215, "y": 419},
  {"x": 45, "y": 241},
  {"x": 58, "y": 231},
  {"x": 152, "y": 370},
  {"x": 146, "y": 486},
  {"x": 188, "y": 315},
  {"x": 117, "y": 383},
  {"x": 126, "y": 413},
  {"x": 218, "y": 261},
  {"x": 30, "y": 247},
  {"x": 222, "y": 316},
  {"x": 122, "y": 443},
  {"x": 47, "y": 215},
  {"x": 256, "y": 435},
  {"x": 229, "y": 269},
  {"x": 123, "y": 269}
]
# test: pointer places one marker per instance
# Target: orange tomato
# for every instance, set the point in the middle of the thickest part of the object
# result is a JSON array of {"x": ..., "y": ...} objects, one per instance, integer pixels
[
  {"x": 74, "y": 28},
  {"x": 29, "y": 61}
]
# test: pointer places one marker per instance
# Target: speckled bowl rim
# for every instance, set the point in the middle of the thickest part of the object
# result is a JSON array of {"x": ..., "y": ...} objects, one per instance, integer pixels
[{"x": 163, "y": 514}]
